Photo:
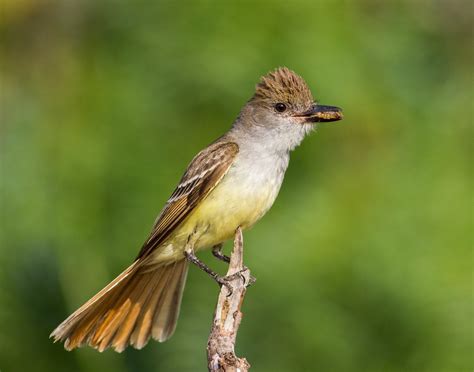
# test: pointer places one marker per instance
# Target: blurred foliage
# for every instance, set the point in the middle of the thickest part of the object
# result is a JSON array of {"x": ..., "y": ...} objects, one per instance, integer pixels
[{"x": 365, "y": 261}]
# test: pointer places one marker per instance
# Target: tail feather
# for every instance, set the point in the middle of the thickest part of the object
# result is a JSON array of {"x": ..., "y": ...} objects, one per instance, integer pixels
[
  {"x": 81, "y": 325},
  {"x": 122, "y": 336},
  {"x": 140, "y": 303},
  {"x": 141, "y": 332},
  {"x": 115, "y": 316},
  {"x": 165, "y": 321}
]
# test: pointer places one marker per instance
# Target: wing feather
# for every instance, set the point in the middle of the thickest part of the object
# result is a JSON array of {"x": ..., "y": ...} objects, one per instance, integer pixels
[{"x": 203, "y": 174}]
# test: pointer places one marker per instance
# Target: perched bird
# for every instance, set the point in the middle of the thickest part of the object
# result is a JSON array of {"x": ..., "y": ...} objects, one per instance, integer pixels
[{"x": 231, "y": 183}]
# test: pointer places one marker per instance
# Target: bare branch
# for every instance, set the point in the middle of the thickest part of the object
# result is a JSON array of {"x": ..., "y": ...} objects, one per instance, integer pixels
[{"x": 221, "y": 343}]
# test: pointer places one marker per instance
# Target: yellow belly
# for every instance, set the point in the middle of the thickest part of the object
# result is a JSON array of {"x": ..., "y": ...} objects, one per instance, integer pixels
[{"x": 217, "y": 217}]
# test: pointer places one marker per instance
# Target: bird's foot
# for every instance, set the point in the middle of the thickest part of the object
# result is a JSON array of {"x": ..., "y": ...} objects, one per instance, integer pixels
[{"x": 239, "y": 274}]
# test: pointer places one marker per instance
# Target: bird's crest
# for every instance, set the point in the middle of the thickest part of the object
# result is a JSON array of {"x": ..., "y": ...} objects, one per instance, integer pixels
[{"x": 283, "y": 85}]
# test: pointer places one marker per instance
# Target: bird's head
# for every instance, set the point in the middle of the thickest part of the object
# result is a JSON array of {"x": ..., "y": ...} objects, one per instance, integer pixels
[{"x": 284, "y": 106}]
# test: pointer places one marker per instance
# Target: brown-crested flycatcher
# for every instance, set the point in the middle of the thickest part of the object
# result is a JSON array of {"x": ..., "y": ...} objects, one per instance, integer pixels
[{"x": 231, "y": 183}]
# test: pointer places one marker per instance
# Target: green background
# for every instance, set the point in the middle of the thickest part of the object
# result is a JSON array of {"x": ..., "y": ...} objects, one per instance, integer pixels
[{"x": 365, "y": 261}]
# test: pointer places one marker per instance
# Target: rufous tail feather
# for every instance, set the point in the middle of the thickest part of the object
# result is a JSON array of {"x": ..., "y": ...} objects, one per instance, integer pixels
[{"x": 140, "y": 303}]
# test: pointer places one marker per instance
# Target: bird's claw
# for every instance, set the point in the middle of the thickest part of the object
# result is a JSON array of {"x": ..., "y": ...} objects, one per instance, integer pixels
[{"x": 224, "y": 280}]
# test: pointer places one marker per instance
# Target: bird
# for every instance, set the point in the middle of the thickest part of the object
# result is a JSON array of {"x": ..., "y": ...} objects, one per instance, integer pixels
[{"x": 230, "y": 184}]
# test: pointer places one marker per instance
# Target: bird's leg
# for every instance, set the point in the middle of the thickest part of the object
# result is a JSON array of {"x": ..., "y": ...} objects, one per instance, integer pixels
[
  {"x": 191, "y": 257},
  {"x": 217, "y": 253}
]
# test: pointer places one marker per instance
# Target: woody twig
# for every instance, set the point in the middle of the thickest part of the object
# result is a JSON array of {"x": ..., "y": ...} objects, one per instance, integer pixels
[{"x": 227, "y": 317}]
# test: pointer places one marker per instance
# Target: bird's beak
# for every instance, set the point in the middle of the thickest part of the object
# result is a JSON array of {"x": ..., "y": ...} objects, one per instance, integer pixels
[{"x": 320, "y": 113}]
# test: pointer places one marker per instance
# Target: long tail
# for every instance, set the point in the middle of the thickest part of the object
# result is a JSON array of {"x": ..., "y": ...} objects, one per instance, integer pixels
[{"x": 140, "y": 303}]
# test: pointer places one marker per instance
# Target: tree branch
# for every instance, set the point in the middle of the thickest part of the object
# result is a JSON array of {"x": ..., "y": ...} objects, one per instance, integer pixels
[{"x": 221, "y": 343}]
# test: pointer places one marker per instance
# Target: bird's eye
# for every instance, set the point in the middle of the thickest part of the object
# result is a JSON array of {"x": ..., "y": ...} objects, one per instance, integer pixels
[{"x": 280, "y": 107}]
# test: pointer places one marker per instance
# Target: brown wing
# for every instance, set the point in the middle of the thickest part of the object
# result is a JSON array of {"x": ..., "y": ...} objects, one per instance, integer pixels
[{"x": 202, "y": 175}]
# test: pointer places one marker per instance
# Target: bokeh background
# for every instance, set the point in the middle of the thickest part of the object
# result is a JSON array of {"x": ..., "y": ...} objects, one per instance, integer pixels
[{"x": 365, "y": 261}]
